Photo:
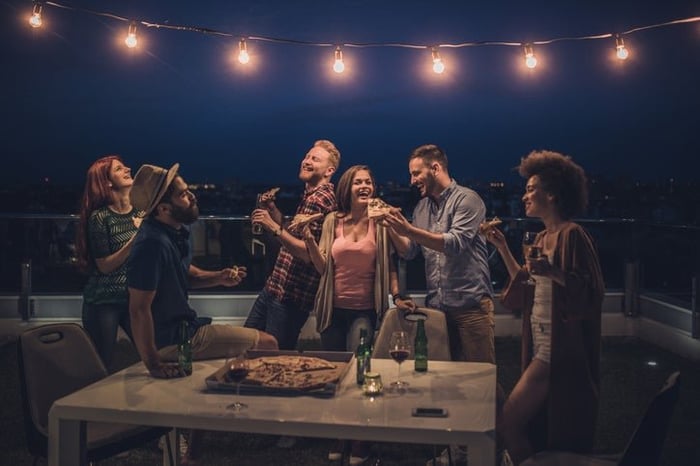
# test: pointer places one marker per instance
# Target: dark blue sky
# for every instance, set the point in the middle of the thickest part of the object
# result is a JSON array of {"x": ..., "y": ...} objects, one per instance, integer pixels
[{"x": 72, "y": 92}]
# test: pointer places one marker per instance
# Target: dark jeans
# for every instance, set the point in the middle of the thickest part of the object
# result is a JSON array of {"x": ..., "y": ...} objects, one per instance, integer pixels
[
  {"x": 101, "y": 322},
  {"x": 343, "y": 334},
  {"x": 283, "y": 321}
]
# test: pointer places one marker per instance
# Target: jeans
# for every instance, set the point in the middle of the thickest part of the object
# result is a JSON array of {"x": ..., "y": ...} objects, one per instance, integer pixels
[
  {"x": 343, "y": 334},
  {"x": 101, "y": 322},
  {"x": 282, "y": 321}
]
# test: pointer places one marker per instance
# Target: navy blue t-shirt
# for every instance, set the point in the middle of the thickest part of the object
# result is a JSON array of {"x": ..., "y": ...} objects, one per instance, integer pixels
[{"x": 160, "y": 260}]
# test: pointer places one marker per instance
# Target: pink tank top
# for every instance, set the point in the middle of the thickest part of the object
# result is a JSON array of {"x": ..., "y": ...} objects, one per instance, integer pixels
[{"x": 355, "y": 264}]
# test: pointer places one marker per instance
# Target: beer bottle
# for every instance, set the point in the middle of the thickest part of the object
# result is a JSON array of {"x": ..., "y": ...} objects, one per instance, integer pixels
[
  {"x": 363, "y": 357},
  {"x": 420, "y": 348},
  {"x": 184, "y": 349}
]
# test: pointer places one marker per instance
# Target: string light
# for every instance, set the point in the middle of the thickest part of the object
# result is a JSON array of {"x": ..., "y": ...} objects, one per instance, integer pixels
[
  {"x": 438, "y": 65},
  {"x": 338, "y": 66},
  {"x": 622, "y": 52},
  {"x": 35, "y": 19},
  {"x": 130, "y": 40},
  {"x": 530, "y": 59},
  {"x": 243, "y": 56}
]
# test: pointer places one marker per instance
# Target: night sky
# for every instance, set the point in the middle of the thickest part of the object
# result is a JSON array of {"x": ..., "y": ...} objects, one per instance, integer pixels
[{"x": 72, "y": 91}]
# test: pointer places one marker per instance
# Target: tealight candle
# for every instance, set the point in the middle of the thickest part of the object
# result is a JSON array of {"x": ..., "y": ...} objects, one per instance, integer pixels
[{"x": 373, "y": 384}]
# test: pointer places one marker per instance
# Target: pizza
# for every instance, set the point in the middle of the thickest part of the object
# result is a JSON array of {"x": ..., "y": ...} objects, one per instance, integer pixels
[
  {"x": 298, "y": 372},
  {"x": 300, "y": 220},
  {"x": 377, "y": 208},
  {"x": 234, "y": 271},
  {"x": 270, "y": 194},
  {"x": 489, "y": 224}
]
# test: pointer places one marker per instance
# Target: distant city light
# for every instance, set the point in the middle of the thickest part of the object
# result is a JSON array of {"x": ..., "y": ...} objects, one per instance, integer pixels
[{"x": 652, "y": 363}]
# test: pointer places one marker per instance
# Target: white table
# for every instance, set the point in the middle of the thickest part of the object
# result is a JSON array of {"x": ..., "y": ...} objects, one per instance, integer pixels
[{"x": 466, "y": 390}]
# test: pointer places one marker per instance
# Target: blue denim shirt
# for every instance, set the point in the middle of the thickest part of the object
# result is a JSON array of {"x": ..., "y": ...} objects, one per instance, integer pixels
[{"x": 459, "y": 277}]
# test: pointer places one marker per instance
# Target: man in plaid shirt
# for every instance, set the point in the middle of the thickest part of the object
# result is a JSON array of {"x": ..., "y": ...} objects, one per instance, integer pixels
[{"x": 283, "y": 305}]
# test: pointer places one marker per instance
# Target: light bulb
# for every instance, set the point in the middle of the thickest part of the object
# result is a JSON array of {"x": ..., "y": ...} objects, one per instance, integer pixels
[
  {"x": 530, "y": 60},
  {"x": 130, "y": 40},
  {"x": 622, "y": 52},
  {"x": 338, "y": 66},
  {"x": 438, "y": 65},
  {"x": 35, "y": 19},
  {"x": 243, "y": 56}
]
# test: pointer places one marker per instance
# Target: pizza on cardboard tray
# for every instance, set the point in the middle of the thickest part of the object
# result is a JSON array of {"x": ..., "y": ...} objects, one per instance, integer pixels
[{"x": 286, "y": 371}]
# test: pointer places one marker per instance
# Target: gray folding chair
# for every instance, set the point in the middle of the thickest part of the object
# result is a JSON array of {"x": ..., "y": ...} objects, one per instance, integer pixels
[{"x": 54, "y": 361}]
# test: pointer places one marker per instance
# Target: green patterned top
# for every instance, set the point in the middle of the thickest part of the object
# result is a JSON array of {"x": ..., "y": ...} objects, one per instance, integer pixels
[{"x": 108, "y": 232}]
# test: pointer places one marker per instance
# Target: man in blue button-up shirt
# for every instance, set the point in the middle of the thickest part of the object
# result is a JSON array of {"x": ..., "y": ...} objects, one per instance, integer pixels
[{"x": 445, "y": 229}]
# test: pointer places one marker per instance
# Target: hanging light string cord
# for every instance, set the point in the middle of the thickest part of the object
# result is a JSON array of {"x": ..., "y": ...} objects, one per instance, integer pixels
[{"x": 280, "y": 40}]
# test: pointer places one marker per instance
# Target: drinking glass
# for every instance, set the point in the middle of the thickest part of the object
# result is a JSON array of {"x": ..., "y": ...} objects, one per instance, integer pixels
[
  {"x": 399, "y": 349},
  {"x": 237, "y": 371},
  {"x": 530, "y": 251}
]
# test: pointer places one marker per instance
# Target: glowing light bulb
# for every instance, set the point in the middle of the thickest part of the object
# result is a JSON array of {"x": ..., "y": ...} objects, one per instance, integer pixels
[
  {"x": 622, "y": 52},
  {"x": 243, "y": 56},
  {"x": 338, "y": 66},
  {"x": 530, "y": 60},
  {"x": 130, "y": 40},
  {"x": 438, "y": 65},
  {"x": 35, "y": 19}
]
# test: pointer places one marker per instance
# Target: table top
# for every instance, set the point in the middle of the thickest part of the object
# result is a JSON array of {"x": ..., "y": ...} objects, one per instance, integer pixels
[{"x": 465, "y": 390}]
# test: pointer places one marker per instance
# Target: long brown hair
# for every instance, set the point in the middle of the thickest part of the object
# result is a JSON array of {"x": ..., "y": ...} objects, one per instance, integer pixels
[{"x": 97, "y": 194}]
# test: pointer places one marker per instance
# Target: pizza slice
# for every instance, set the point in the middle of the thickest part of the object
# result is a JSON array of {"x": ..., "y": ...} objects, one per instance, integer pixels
[
  {"x": 489, "y": 224},
  {"x": 377, "y": 208},
  {"x": 300, "y": 220}
]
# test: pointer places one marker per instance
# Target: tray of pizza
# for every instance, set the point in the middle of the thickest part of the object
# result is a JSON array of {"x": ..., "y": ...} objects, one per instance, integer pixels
[{"x": 286, "y": 373}]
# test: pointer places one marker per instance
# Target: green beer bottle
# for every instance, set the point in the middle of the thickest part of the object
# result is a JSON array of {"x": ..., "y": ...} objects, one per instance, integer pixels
[
  {"x": 420, "y": 348},
  {"x": 363, "y": 357},
  {"x": 184, "y": 349}
]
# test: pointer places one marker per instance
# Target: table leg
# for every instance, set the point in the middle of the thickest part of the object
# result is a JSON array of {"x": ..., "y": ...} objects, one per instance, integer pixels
[{"x": 66, "y": 442}]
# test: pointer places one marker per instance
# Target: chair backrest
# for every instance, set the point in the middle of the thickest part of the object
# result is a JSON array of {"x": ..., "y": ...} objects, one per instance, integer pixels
[
  {"x": 647, "y": 443},
  {"x": 435, "y": 330},
  {"x": 54, "y": 361}
]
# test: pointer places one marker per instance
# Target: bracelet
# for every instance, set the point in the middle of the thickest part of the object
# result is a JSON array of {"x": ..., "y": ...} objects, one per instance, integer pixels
[{"x": 277, "y": 232}]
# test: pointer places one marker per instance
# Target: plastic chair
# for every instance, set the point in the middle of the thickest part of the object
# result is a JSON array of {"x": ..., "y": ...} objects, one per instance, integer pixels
[
  {"x": 435, "y": 330},
  {"x": 54, "y": 361},
  {"x": 646, "y": 445}
]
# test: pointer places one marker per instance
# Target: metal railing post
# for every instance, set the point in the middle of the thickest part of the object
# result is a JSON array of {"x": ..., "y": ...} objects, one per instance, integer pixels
[
  {"x": 631, "y": 302},
  {"x": 695, "y": 308},
  {"x": 25, "y": 304}
]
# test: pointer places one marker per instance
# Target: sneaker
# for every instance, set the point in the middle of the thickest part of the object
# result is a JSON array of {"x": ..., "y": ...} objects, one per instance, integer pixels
[
  {"x": 505, "y": 459},
  {"x": 359, "y": 453},
  {"x": 183, "y": 444},
  {"x": 286, "y": 442},
  {"x": 337, "y": 451}
]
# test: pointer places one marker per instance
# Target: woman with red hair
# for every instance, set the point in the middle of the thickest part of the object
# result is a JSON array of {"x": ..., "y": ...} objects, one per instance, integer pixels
[{"x": 106, "y": 230}]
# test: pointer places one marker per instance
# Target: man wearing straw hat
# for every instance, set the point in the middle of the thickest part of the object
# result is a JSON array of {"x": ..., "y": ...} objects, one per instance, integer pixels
[{"x": 160, "y": 272}]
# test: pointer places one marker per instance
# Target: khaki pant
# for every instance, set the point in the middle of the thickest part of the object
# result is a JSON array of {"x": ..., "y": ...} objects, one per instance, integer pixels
[
  {"x": 472, "y": 333},
  {"x": 216, "y": 341}
]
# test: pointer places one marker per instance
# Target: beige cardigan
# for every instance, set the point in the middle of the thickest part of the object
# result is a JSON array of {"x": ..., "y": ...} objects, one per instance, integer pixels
[{"x": 323, "y": 307}]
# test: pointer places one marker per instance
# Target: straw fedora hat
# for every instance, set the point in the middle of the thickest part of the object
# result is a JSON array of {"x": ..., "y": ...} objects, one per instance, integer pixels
[{"x": 150, "y": 183}]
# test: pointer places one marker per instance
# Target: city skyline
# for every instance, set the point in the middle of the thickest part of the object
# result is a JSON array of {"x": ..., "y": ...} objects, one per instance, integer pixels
[{"x": 77, "y": 93}]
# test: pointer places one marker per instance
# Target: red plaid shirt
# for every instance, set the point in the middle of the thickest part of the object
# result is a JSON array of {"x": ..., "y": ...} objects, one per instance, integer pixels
[{"x": 292, "y": 280}]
